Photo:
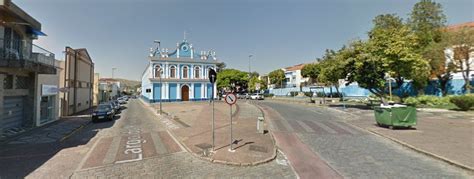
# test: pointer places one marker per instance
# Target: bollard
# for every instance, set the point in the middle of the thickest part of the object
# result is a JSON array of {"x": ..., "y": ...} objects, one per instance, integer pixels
[{"x": 260, "y": 127}]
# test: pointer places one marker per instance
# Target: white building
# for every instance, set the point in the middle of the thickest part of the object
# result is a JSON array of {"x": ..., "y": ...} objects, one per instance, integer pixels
[{"x": 293, "y": 76}]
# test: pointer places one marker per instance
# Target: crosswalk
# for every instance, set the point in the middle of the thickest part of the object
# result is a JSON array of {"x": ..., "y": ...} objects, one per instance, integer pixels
[
  {"x": 314, "y": 126},
  {"x": 130, "y": 148}
]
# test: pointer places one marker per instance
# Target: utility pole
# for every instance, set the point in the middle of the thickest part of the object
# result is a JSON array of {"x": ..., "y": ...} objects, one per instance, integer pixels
[
  {"x": 250, "y": 75},
  {"x": 113, "y": 70}
]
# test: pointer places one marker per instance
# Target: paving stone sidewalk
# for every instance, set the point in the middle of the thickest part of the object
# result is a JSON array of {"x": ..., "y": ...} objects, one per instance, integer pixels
[
  {"x": 53, "y": 132},
  {"x": 195, "y": 132},
  {"x": 443, "y": 134}
]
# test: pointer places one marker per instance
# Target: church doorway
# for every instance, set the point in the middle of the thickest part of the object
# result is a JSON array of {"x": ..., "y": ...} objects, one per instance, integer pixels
[{"x": 185, "y": 93}]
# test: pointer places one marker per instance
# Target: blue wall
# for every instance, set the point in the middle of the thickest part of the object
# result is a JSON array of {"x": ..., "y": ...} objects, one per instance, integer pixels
[
  {"x": 197, "y": 91},
  {"x": 172, "y": 91},
  {"x": 156, "y": 91},
  {"x": 454, "y": 87},
  {"x": 209, "y": 90}
]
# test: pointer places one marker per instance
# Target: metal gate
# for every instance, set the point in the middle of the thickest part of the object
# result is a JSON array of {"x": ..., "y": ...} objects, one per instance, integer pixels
[{"x": 13, "y": 114}]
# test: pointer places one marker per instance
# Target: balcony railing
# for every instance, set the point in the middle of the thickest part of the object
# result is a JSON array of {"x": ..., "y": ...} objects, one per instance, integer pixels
[{"x": 12, "y": 51}]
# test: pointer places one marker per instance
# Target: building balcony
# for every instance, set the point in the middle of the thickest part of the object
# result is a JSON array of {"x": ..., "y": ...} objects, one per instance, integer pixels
[{"x": 23, "y": 54}]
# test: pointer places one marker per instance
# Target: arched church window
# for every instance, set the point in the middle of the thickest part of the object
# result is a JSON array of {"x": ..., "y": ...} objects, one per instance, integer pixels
[
  {"x": 185, "y": 72},
  {"x": 157, "y": 71},
  {"x": 172, "y": 72},
  {"x": 197, "y": 72}
]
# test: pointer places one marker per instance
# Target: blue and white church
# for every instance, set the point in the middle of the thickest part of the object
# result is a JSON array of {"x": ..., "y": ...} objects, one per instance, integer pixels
[{"x": 178, "y": 75}]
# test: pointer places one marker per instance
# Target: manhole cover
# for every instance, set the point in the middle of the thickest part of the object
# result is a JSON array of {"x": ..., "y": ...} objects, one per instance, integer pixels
[
  {"x": 204, "y": 146},
  {"x": 258, "y": 148}
]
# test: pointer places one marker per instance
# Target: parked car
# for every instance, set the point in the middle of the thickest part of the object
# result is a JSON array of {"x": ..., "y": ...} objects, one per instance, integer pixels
[
  {"x": 121, "y": 101},
  {"x": 103, "y": 112},
  {"x": 116, "y": 105},
  {"x": 256, "y": 96}
]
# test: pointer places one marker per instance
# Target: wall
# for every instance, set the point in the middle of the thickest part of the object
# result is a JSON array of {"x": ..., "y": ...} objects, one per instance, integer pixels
[{"x": 46, "y": 80}]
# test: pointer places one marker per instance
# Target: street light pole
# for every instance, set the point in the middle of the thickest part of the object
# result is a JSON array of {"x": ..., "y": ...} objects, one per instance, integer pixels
[
  {"x": 161, "y": 91},
  {"x": 250, "y": 76},
  {"x": 113, "y": 70}
]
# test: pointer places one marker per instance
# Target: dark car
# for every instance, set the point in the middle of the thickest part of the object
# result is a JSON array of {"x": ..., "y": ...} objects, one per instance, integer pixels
[
  {"x": 115, "y": 106},
  {"x": 103, "y": 112}
]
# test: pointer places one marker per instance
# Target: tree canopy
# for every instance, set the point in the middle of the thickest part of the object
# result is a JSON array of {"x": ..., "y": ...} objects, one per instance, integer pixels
[
  {"x": 277, "y": 76},
  {"x": 227, "y": 77}
]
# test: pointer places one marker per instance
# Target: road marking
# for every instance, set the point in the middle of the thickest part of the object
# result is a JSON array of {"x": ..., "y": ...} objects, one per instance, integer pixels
[
  {"x": 133, "y": 146},
  {"x": 112, "y": 152},
  {"x": 305, "y": 127},
  {"x": 325, "y": 127},
  {"x": 347, "y": 128},
  {"x": 159, "y": 145}
]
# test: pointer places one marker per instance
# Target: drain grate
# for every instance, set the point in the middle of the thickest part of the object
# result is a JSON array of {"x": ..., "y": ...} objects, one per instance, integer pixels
[{"x": 258, "y": 148}]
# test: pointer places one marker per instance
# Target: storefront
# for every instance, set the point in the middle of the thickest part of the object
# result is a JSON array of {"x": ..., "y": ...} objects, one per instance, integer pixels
[{"x": 47, "y": 99}]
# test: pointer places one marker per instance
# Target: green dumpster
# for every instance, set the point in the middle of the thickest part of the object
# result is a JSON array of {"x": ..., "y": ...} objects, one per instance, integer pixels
[{"x": 395, "y": 116}]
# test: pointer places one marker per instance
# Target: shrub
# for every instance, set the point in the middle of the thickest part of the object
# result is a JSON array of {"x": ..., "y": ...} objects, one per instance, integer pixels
[
  {"x": 464, "y": 102},
  {"x": 308, "y": 94},
  {"x": 426, "y": 100},
  {"x": 268, "y": 95},
  {"x": 293, "y": 93}
]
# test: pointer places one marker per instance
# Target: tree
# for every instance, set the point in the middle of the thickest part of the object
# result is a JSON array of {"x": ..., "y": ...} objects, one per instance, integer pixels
[
  {"x": 227, "y": 77},
  {"x": 254, "y": 74},
  {"x": 396, "y": 47},
  {"x": 440, "y": 69},
  {"x": 333, "y": 67},
  {"x": 277, "y": 77},
  {"x": 363, "y": 68},
  {"x": 253, "y": 83},
  {"x": 220, "y": 66},
  {"x": 312, "y": 71},
  {"x": 461, "y": 42},
  {"x": 427, "y": 21}
]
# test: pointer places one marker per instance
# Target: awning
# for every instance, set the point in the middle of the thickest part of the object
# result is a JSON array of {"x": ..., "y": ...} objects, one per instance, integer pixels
[{"x": 37, "y": 32}]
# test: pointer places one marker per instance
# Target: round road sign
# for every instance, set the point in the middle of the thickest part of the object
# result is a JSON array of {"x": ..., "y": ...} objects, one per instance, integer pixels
[{"x": 230, "y": 98}]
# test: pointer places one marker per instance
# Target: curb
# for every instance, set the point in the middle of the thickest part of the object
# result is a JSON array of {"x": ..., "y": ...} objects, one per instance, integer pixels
[
  {"x": 67, "y": 136},
  {"x": 213, "y": 160},
  {"x": 421, "y": 151},
  {"x": 435, "y": 156}
]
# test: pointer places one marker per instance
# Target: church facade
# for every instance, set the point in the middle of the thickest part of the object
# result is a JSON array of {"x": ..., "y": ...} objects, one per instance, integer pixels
[{"x": 183, "y": 72}]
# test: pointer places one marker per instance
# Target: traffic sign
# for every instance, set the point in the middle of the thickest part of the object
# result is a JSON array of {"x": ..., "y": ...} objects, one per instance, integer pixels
[
  {"x": 230, "y": 98},
  {"x": 212, "y": 75}
]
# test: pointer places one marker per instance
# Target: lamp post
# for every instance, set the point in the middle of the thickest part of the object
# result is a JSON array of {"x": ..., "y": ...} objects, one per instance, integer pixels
[
  {"x": 113, "y": 70},
  {"x": 161, "y": 91},
  {"x": 250, "y": 75}
]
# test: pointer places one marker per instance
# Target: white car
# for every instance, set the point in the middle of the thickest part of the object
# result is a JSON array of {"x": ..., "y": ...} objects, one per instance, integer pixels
[{"x": 256, "y": 96}]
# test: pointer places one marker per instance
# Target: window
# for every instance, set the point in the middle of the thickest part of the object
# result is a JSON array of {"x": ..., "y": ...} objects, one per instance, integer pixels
[
  {"x": 172, "y": 72},
  {"x": 8, "y": 82},
  {"x": 157, "y": 71},
  {"x": 185, "y": 72},
  {"x": 21, "y": 82},
  {"x": 197, "y": 72}
]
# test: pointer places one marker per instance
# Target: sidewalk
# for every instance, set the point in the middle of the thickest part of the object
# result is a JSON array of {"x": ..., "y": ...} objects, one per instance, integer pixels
[
  {"x": 195, "y": 132},
  {"x": 446, "y": 135},
  {"x": 56, "y": 131}
]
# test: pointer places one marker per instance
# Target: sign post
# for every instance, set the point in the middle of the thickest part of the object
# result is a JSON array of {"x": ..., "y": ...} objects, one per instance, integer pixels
[
  {"x": 231, "y": 99},
  {"x": 212, "y": 78}
]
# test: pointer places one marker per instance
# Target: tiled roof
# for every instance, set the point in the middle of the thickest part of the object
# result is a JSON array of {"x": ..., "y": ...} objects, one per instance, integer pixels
[
  {"x": 460, "y": 26},
  {"x": 296, "y": 67}
]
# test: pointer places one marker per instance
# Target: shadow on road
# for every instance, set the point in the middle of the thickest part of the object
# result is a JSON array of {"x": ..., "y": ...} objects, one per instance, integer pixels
[{"x": 20, "y": 160}]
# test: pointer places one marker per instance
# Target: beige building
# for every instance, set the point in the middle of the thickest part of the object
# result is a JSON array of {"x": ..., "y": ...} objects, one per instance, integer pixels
[
  {"x": 78, "y": 78},
  {"x": 96, "y": 90}
]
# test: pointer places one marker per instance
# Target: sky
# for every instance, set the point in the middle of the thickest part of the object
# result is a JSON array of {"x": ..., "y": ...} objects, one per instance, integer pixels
[{"x": 278, "y": 33}]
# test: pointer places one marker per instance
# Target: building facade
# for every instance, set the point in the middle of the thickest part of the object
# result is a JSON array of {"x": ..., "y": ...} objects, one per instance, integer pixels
[
  {"x": 23, "y": 66},
  {"x": 293, "y": 76},
  {"x": 78, "y": 75},
  {"x": 180, "y": 75}
]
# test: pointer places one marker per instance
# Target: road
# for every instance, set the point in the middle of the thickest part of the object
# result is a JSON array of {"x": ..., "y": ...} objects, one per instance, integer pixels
[
  {"x": 348, "y": 151},
  {"x": 135, "y": 145}
]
